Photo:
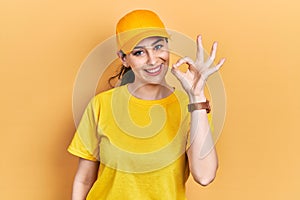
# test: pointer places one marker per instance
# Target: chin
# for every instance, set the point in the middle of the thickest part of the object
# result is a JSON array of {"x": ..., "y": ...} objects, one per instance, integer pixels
[{"x": 157, "y": 82}]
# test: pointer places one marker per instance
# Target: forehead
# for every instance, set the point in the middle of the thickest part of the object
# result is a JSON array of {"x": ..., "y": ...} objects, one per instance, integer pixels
[{"x": 150, "y": 41}]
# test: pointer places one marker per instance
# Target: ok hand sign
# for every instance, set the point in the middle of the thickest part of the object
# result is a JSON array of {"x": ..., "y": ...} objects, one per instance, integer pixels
[{"x": 193, "y": 80}]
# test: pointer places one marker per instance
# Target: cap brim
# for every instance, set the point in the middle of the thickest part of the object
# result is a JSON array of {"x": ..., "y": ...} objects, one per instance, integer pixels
[{"x": 145, "y": 33}]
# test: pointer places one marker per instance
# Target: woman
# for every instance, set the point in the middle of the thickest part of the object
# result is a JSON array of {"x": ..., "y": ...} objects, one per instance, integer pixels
[{"x": 141, "y": 140}]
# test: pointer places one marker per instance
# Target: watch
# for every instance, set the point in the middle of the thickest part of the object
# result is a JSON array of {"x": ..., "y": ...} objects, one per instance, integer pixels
[{"x": 199, "y": 106}]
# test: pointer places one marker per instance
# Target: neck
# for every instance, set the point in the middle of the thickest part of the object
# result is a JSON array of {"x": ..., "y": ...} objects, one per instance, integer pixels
[{"x": 150, "y": 91}]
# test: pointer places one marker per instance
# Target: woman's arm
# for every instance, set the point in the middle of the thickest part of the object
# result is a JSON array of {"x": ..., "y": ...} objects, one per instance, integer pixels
[
  {"x": 202, "y": 155},
  {"x": 84, "y": 179}
]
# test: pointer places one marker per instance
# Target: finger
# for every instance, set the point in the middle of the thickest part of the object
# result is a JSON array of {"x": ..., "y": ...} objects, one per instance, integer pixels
[
  {"x": 184, "y": 60},
  {"x": 178, "y": 73},
  {"x": 220, "y": 64},
  {"x": 196, "y": 74},
  {"x": 200, "y": 51},
  {"x": 212, "y": 54},
  {"x": 194, "y": 71},
  {"x": 212, "y": 70}
]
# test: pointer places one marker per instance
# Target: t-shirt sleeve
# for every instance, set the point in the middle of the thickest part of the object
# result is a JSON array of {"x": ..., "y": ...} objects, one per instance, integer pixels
[
  {"x": 77, "y": 149},
  {"x": 85, "y": 143}
]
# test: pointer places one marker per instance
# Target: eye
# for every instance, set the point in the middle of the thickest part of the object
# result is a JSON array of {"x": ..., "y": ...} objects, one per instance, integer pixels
[
  {"x": 138, "y": 53},
  {"x": 157, "y": 47}
]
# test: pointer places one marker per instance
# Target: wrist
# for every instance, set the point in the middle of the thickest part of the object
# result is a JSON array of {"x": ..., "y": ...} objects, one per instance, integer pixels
[{"x": 197, "y": 98}]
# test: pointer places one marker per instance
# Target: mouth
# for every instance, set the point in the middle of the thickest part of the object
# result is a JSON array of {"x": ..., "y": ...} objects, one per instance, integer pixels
[{"x": 154, "y": 71}]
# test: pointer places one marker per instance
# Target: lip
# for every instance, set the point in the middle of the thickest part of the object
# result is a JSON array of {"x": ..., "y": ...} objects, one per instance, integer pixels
[{"x": 154, "y": 71}]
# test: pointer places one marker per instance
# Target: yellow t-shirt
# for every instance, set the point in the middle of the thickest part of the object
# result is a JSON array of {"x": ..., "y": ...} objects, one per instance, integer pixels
[{"x": 140, "y": 144}]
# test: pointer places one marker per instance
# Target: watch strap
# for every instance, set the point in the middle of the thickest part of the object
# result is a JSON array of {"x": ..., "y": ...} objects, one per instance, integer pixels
[{"x": 199, "y": 106}]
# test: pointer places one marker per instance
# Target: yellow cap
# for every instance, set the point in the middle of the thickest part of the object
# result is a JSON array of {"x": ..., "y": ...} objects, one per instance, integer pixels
[{"x": 136, "y": 26}]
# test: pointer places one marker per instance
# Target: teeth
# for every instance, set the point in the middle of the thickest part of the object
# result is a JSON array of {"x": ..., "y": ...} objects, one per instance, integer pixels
[{"x": 153, "y": 70}]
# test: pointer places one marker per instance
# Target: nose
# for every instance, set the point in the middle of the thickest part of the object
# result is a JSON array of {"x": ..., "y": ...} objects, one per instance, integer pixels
[{"x": 151, "y": 58}]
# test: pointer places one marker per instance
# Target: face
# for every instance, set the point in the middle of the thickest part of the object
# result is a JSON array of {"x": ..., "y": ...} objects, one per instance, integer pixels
[{"x": 149, "y": 61}]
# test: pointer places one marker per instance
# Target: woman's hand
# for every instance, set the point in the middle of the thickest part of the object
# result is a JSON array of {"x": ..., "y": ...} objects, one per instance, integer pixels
[{"x": 193, "y": 80}]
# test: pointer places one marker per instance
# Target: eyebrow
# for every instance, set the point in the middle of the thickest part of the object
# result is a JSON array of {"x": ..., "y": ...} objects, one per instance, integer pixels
[{"x": 154, "y": 43}]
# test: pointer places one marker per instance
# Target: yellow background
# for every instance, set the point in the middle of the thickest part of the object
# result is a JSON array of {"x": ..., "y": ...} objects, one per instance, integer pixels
[{"x": 43, "y": 43}]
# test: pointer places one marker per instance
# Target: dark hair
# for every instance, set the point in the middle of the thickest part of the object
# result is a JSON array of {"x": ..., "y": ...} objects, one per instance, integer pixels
[
  {"x": 122, "y": 71},
  {"x": 119, "y": 75}
]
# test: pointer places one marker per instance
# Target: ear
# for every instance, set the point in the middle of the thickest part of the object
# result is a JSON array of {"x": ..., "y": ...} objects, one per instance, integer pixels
[{"x": 122, "y": 56}]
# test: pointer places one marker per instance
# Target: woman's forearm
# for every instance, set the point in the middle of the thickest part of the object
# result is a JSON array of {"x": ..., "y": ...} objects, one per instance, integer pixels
[
  {"x": 84, "y": 179},
  {"x": 202, "y": 155},
  {"x": 80, "y": 190}
]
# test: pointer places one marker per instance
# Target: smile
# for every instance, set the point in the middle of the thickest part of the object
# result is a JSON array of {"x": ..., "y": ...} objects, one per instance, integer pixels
[{"x": 154, "y": 71}]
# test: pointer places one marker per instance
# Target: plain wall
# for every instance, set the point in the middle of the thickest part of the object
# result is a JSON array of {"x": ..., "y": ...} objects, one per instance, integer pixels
[{"x": 43, "y": 43}]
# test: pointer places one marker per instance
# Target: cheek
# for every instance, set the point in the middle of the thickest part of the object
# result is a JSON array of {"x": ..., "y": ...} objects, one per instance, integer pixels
[
  {"x": 165, "y": 56},
  {"x": 136, "y": 63}
]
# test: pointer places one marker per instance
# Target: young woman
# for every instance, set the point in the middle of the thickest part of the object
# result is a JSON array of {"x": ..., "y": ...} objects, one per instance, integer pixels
[{"x": 142, "y": 139}]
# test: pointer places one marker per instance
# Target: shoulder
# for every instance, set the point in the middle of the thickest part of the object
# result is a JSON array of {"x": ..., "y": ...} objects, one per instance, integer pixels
[
  {"x": 108, "y": 96},
  {"x": 108, "y": 93}
]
